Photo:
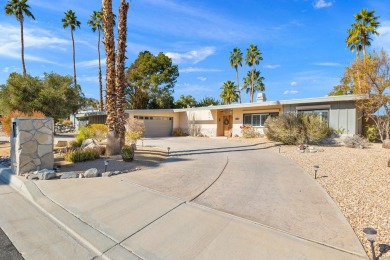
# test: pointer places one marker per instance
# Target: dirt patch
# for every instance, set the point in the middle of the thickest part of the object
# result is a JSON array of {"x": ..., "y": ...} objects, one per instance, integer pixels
[{"x": 144, "y": 157}]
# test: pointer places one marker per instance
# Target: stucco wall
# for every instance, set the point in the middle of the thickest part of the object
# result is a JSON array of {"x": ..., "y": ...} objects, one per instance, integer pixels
[{"x": 199, "y": 122}]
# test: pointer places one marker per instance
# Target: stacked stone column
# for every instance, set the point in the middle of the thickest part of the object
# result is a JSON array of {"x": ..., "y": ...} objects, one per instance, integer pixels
[{"x": 31, "y": 144}]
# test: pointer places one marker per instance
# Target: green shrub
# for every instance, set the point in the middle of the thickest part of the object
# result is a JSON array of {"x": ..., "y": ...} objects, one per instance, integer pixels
[
  {"x": 83, "y": 134},
  {"x": 179, "y": 132},
  {"x": 292, "y": 128},
  {"x": 127, "y": 153},
  {"x": 98, "y": 131},
  {"x": 133, "y": 136},
  {"x": 249, "y": 131},
  {"x": 82, "y": 155},
  {"x": 370, "y": 132}
]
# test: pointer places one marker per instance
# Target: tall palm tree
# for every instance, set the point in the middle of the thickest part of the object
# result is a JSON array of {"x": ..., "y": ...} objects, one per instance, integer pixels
[
  {"x": 235, "y": 61},
  {"x": 253, "y": 58},
  {"x": 19, "y": 8},
  {"x": 70, "y": 20},
  {"x": 353, "y": 43},
  {"x": 229, "y": 92},
  {"x": 120, "y": 72},
  {"x": 253, "y": 79},
  {"x": 360, "y": 33},
  {"x": 96, "y": 23}
]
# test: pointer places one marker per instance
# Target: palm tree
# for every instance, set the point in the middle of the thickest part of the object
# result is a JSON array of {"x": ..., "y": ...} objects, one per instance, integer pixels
[
  {"x": 253, "y": 57},
  {"x": 96, "y": 23},
  {"x": 70, "y": 20},
  {"x": 235, "y": 61},
  {"x": 19, "y": 8},
  {"x": 253, "y": 82},
  {"x": 229, "y": 92},
  {"x": 360, "y": 33},
  {"x": 353, "y": 43},
  {"x": 120, "y": 72}
]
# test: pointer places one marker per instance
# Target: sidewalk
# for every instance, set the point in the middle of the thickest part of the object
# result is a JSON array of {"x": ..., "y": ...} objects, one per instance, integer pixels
[{"x": 117, "y": 219}]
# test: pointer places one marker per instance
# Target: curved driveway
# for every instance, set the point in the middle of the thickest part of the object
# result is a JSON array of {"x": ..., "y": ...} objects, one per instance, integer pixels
[{"x": 249, "y": 181}]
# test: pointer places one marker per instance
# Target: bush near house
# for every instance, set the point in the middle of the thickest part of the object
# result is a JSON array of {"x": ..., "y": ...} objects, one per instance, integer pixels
[
  {"x": 136, "y": 130},
  {"x": 94, "y": 131},
  {"x": 249, "y": 131},
  {"x": 179, "y": 132},
  {"x": 7, "y": 119},
  {"x": 82, "y": 155},
  {"x": 292, "y": 128}
]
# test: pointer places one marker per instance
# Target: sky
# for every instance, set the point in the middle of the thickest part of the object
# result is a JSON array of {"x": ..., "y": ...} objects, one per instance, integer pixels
[{"x": 302, "y": 42}]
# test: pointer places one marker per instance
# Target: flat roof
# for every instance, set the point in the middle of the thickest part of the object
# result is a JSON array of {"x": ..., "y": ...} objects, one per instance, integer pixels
[{"x": 315, "y": 100}]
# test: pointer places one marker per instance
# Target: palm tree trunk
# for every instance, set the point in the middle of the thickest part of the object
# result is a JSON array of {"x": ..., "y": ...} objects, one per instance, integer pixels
[
  {"x": 238, "y": 84},
  {"x": 112, "y": 143},
  {"x": 74, "y": 58},
  {"x": 22, "y": 44},
  {"x": 252, "y": 84},
  {"x": 100, "y": 75},
  {"x": 120, "y": 71}
]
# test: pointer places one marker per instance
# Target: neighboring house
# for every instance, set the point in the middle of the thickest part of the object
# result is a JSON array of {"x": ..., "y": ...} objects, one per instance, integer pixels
[{"x": 225, "y": 120}]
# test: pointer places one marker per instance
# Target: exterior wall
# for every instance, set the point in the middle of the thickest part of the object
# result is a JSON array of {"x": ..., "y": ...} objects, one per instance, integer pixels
[
  {"x": 32, "y": 144},
  {"x": 199, "y": 122},
  {"x": 175, "y": 116}
]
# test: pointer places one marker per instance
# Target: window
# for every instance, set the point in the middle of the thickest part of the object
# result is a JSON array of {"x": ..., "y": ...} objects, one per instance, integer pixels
[
  {"x": 257, "y": 120},
  {"x": 323, "y": 113}
]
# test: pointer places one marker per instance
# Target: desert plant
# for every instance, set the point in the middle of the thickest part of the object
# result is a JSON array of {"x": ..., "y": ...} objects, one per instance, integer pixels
[
  {"x": 370, "y": 132},
  {"x": 356, "y": 141},
  {"x": 179, "y": 132},
  {"x": 67, "y": 122},
  {"x": 135, "y": 129},
  {"x": 127, "y": 153},
  {"x": 292, "y": 128},
  {"x": 98, "y": 131},
  {"x": 7, "y": 119},
  {"x": 78, "y": 155},
  {"x": 249, "y": 131},
  {"x": 83, "y": 134},
  {"x": 133, "y": 136}
]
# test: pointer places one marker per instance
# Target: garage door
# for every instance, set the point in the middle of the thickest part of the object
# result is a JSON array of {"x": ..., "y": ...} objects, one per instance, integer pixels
[{"x": 157, "y": 126}]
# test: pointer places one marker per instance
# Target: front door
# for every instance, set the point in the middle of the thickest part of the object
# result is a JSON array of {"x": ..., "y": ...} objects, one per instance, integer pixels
[{"x": 227, "y": 125}]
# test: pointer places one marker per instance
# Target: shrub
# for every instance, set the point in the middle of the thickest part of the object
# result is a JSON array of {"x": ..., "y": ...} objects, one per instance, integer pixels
[
  {"x": 98, "y": 131},
  {"x": 249, "y": 131},
  {"x": 136, "y": 129},
  {"x": 179, "y": 132},
  {"x": 370, "y": 132},
  {"x": 83, "y": 134},
  {"x": 292, "y": 128},
  {"x": 127, "y": 153},
  {"x": 356, "y": 141},
  {"x": 81, "y": 155},
  {"x": 133, "y": 136},
  {"x": 7, "y": 119},
  {"x": 67, "y": 122}
]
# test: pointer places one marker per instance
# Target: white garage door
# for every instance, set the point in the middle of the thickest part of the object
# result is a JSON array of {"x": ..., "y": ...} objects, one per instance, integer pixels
[{"x": 157, "y": 126}]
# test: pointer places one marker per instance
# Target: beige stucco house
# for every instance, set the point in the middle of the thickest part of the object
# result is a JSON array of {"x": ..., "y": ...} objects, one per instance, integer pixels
[{"x": 225, "y": 120}]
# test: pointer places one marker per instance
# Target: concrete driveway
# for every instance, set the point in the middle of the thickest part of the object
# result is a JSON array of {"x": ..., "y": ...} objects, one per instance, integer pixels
[{"x": 212, "y": 199}]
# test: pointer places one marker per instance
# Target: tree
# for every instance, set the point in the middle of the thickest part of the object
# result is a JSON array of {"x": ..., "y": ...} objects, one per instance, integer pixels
[
  {"x": 208, "y": 101},
  {"x": 229, "y": 92},
  {"x": 371, "y": 76},
  {"x": 70, "y": 20},
  {"x": 235, "y": 61},
  {"x": 253, "y": 82},
  {"x": 54, "y": 95},
  {"x": 253, "y": 58},
  {"x": 96, "y": 23},
  {"x": 150, "y": 81},
  {"x": 185, "y": 101},
  {"x": 359, "y": 35},
  {"x": 19, "y": 8}
]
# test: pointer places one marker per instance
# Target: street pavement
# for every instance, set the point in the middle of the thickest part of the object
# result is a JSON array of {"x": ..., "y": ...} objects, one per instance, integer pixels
[{"x": 212, "y": 199}]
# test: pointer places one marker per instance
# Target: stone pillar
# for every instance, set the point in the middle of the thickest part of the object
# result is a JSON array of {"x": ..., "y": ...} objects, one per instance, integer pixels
[{"x": 31, "y": 144}]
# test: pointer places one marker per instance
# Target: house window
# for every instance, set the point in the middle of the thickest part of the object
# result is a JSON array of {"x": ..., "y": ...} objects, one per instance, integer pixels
[
  {"x": 322, "y": 113},
  {"x": 257, "y": 120}
]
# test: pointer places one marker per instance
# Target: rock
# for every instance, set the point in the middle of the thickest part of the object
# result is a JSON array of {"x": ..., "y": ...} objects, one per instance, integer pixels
[
  {"x": 116, "y": 172},
  {"x": 107, "y": 174},
  {"x": 62, "y": 144},
  {"x": 68, "y": 175},
  {"x": 46, "y": 174},
  {"x": 386, "y": 144},
  {"x": 87, "y": 143},
  {"x": 32, "y": 177},
  {"x": 91, "y": 173}
]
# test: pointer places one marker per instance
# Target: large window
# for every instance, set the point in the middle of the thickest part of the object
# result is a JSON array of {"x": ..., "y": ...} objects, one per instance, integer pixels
[
  {"x": 322, "y": 113},
  {"x": 257, "y": 120}
]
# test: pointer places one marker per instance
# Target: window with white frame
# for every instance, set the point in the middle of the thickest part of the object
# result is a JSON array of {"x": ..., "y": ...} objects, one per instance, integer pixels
[
  {"x": 257, "y": 120},
  {"x": 322, "y": 113}
]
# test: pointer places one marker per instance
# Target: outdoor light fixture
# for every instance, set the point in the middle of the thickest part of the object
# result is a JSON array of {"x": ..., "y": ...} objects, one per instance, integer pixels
[
  {"x": 105, "y": 165},
  {"x": 370, "y": 234},
  {"x": 279, "y": 148},
  {"x": 142, "y": 140},
  {"x": 316, "y": 167},
  {"x": 168, "y": 148}
]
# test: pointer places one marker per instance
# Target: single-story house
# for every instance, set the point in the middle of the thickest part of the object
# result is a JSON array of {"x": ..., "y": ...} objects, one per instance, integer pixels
[{"x": 340, "y": 112}]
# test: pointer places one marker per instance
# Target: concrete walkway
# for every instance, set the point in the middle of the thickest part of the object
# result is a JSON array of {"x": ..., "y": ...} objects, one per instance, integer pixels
[{"x": 213, "y": 199}]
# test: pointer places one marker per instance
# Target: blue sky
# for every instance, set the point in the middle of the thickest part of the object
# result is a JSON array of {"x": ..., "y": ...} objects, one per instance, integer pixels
[{"x": 302, "y": 41}]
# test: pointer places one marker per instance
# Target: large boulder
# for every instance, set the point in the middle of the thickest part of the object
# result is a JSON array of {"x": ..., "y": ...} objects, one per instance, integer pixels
[
  {"x": 87, "y": 143},
  {"x": 90, "y": 173},
  {"x": 46, "y": 174},
  {"x": 68, "y": 175},
  {"x": 386, "y": 144}
]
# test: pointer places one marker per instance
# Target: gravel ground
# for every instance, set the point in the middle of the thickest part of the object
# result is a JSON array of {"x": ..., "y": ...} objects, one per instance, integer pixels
[{"x": 358, "y": 180}]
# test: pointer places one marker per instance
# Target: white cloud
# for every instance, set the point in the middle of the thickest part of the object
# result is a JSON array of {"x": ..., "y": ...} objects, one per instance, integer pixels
[
  {"x": 91, "y": 63},
  {"x": 195, "y": 69},
  {"x": 322, "y": 4},
  {"x": 188, "y": 88},
  {"x": 202, "y": 78},
  {"x": 383, "y": 40},
  {"x": 294, "y": 83},
  {"x": 193, "y": 56},
  {"x": 269, "y": 66},
  {"x": 328, "y": 64},
  {"x": 290, "y": 92}
]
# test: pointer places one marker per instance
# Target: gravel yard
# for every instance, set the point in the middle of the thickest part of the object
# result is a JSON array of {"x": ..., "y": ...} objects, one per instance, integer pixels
[{"x": 358, "y": 180}]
